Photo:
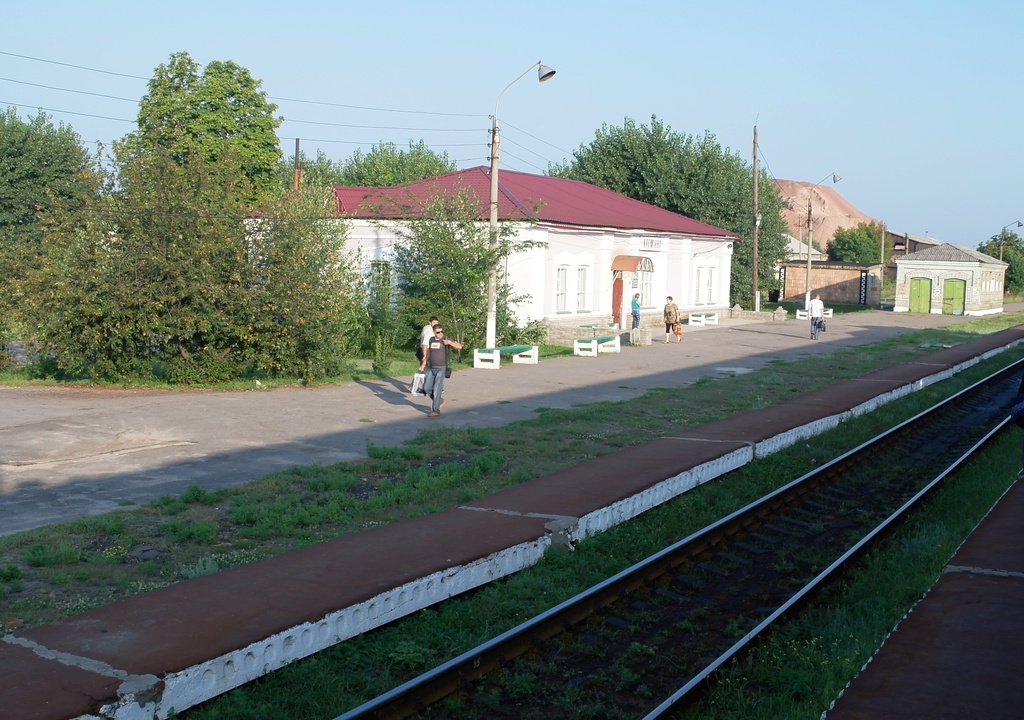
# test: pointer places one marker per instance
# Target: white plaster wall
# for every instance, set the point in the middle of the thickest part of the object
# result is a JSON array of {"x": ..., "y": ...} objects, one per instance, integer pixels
[{"x": 532, "y": 271}]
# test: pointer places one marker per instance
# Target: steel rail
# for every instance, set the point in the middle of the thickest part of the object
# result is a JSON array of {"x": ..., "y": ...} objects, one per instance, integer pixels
[
  {"x": 680, "y": 696},
  {"x": 416, "y": 694}
]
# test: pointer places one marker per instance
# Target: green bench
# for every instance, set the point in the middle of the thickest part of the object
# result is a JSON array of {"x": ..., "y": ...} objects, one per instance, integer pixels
[
  {"x": 490, "y": 358},
  {"x": 590, "y": 347}
]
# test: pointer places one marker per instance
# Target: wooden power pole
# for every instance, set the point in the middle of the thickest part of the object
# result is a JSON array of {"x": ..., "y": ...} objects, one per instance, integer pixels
[{"x": 757, "y": 223}]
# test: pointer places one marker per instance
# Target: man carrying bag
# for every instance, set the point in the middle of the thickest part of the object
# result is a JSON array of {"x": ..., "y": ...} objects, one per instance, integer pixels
[{"x": 435, "y": 365}]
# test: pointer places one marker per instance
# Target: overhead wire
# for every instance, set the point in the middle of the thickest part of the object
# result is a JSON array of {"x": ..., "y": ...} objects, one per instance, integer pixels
[{"x": 285, "y": 119}]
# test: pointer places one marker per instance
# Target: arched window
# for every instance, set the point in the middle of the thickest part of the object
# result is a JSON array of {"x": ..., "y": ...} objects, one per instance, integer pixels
[
  {"x": 561, "y": 287},
  {"x": 582, "y": 288}
]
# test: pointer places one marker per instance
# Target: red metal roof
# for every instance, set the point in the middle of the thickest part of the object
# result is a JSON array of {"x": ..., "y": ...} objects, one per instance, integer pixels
[{"x": 524, "y": 197}]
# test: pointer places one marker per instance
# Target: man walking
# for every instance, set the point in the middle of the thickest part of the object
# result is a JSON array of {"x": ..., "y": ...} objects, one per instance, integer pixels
[
  {"x": 817, "y": 313},
  {"x": 435, "y": 365},
  {"x": 425, "y": 334}
]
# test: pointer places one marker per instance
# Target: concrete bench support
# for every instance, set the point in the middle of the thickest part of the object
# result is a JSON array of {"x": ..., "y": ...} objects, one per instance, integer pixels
[
  {"x": 702, "y": 319},
  {"x": 590, "y": 347},
  {"x": 490, "y": 358}
]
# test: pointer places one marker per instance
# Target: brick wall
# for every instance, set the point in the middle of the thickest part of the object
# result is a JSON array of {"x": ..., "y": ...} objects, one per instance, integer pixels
[{"x": 838, "y": 283}]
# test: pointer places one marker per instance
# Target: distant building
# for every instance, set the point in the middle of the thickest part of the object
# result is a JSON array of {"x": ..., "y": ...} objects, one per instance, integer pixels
[
  {"x": 797, "y": 250},
  {"x": 949, "y": 280}
]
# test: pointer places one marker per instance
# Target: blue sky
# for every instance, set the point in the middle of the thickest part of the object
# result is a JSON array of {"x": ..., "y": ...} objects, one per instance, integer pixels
[{"x": 917, "y": 105}]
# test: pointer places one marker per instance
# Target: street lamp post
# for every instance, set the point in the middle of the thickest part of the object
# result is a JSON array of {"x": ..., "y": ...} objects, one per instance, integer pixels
[
  {"x": 1002, "y": 236},
  {"x": 543, "y": 73},
  {"x": 810, "y": 234}
]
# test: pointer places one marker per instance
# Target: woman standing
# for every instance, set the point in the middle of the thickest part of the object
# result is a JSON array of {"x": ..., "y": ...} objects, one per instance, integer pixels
[{"x": 671, "y": 315}]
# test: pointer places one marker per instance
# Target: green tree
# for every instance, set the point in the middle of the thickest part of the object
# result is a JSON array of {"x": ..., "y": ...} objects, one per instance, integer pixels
[
  {"x": 220, "y": 110},
  {"x": 305, "y": 303},
  {"x": 692, "y": 176},
  {"x": 862, "y": 244},
  {"x": 387, "y": 166},
  {"x": 1008, "y": 246},
  {"x": 319, "y": 172},
  {"x": 441, "y": 263},
  {"x": 43, "y": 165},
  {"x": 164, "y": 271}
]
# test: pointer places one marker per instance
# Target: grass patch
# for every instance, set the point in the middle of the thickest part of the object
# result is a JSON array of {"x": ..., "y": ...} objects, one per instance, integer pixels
[
  {"x": 795, "y": 675},
  {"x": 157, "y": 544}
]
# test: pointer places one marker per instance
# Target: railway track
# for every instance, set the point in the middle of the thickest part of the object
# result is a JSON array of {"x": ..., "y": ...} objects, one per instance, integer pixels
[{"x": 648, "y": 640}]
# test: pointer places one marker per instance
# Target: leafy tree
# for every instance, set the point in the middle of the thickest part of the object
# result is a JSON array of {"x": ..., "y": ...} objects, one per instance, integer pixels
[
  {"x": 217, "y": 111},
  {"x": 320, "y": 172},
  {"x": 441, "y": 263},
  {"x": 164, "y": 271},
  {"x": 41, "y": 165},
  {"x": 862, "y": 244},
  {"x": 387, "y": 166},
  {"x": 305, "y": 305},
  {"x": 693, "y": 176},
  {"x": 1008, "y": 246}
]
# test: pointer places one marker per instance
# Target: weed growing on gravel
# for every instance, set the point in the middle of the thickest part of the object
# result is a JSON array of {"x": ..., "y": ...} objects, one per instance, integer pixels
[
  {"x": 111, "y": 556},
  {"x": 820, "y": 654}
]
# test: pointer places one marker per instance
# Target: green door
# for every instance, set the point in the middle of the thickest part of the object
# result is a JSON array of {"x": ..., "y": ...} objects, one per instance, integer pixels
[
  {"x": 920, "y": 295},
  {"x": 953, "y": 293}
]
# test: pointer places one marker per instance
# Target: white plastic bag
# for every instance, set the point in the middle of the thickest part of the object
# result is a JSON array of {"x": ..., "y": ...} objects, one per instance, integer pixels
[{"x": 417, "y": 384}]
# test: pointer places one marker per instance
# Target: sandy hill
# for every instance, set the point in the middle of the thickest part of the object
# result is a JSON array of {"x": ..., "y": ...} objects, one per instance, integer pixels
[{"x": 829, "y": 210}]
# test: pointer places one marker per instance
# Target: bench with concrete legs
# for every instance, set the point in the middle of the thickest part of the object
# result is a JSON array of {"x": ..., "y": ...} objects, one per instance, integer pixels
[
  {"x": 590, "y": 347},
  {"x": 802, "y": 314},
  {"x": 702, "y": 319},
  {"x": 490, "y": 358}
]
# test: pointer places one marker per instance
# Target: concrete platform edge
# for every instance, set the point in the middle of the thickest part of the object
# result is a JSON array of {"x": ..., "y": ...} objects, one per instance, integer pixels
[{"x": 201, "y": 682}]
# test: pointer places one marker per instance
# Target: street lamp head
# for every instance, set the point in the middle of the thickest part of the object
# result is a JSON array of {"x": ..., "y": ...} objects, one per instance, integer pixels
[
  {"x": 544, "y": 73},
  {"x": 836, "y": 178}
]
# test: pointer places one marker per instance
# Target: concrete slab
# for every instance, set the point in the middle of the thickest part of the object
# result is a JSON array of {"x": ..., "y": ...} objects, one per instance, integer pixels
[
  {"x": 70, "y": 452},
  {"x": 959, "y": 654},
  {"x": 47, "y": 689}
]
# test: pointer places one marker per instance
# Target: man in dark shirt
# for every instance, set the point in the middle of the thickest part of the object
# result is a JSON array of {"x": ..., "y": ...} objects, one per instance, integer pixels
[{"x": 434, "y": 364}]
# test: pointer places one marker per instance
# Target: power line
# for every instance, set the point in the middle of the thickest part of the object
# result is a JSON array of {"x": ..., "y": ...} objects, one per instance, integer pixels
[
  {"x": 271, "y": 97},
  {"x": 275, "y": 98},
  {"x": 77, "y": 67},
  {"x": 79, "y": 92},
  {"x": 65, "y": 112},
  {"x": 381, "y": 127}
]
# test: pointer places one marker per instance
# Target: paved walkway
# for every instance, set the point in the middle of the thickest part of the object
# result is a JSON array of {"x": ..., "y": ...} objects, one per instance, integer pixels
[
  {"x": 182, "y": 644},
  {"x": 67, "y": 453}
]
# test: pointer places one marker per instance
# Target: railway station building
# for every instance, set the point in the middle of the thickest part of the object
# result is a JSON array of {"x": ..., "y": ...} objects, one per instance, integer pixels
[{"x": 591, "y": 249}]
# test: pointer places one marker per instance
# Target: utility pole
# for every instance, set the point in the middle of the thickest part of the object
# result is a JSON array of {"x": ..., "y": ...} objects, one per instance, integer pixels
[
  {"x": 810, "y": 240},
  {"x": 297, "y": 173},
  {"x": 757, "y": 223}
]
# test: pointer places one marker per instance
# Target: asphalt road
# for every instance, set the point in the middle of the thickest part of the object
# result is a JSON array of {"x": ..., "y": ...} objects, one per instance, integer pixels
[{"x": 71, "y": 452}]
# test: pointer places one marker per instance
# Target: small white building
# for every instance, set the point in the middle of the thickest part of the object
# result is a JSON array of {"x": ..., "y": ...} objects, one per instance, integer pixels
[
  {"x": 596, "y": 248},
  {"x": 949, "y": 280}
]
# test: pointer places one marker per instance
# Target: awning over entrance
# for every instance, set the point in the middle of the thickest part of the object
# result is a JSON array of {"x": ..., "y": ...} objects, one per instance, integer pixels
[{"x": 632, "y": 263}]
